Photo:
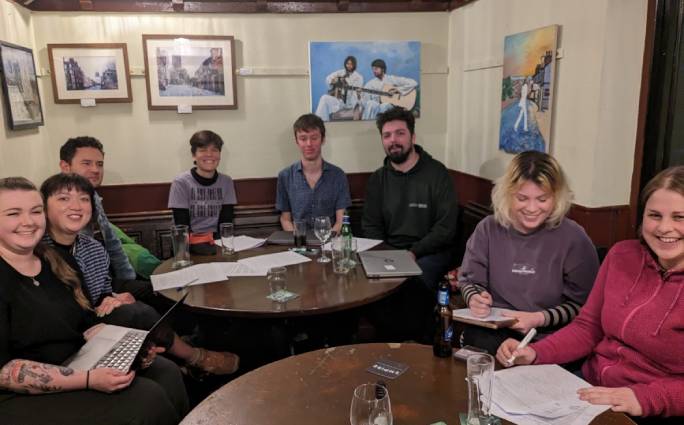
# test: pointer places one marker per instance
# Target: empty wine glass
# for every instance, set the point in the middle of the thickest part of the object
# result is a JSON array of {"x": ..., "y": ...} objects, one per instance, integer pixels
[
  {"x": 322, "y": 230},
  {"x": 370, "y": 406}
]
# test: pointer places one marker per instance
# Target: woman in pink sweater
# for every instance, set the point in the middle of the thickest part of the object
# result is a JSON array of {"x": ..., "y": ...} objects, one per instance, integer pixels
[{"x": 631, "y": 328}]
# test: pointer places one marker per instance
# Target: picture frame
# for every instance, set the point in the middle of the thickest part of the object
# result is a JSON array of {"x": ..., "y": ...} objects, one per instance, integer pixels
[
  {"x": 196, "y": 71},
  {"x": 96, "y": 71},
  {"x": 20, "y": 87}
]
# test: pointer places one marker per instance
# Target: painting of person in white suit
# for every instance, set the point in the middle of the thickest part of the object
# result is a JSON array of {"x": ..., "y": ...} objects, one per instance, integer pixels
[
  {"x": 340, "y": 81},
  {"x": 522, "y": 104}
]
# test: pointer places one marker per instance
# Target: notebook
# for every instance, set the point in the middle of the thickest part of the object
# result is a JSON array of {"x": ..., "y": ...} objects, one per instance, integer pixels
[
  {"x": 389, "y": 263},
  {"x": 120, "y": 347},
  {"x": 283, "y": 237}
]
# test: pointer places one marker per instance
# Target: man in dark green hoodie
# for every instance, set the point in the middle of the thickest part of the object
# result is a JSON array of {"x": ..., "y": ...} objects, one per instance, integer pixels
[{"x": 410, "y": 201}]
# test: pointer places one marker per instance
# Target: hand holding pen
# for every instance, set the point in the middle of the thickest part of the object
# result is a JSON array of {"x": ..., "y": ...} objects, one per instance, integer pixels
[
  {"x": 512, "y": 352},
  {"x": 480, "y": 304}
]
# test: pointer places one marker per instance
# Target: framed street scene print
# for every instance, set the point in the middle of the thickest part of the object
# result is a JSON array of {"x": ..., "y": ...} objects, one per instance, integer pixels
[
  {"x": 190, "y": 70},
  {"x": 20, "y": 87},
  {"x": 90, "y": 71}
]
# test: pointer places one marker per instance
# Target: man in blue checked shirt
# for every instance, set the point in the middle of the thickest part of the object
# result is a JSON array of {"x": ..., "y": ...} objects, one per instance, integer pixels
[{"x": 311, "y": 187}]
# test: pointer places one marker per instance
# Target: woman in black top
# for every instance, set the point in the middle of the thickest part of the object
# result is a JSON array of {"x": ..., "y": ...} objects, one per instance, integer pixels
[{"x": 44, "y": 317}]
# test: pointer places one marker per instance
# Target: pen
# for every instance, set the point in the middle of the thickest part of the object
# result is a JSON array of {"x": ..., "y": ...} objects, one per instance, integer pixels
[{"x": 523, "y": 344}]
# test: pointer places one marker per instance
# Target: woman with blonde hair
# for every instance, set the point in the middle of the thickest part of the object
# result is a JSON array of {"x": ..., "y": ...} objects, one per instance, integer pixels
[
  {"x": 631, "y": 330},
  {"x": 527, "y": 258},
  {"x": 44, "y": 318}
]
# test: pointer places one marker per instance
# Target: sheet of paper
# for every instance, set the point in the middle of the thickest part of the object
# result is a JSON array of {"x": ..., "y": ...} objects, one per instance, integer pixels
[
  {"x": 264, "y": 262},
  {"x": 243, "y": 242},
  {"x": 545, "y": 394},
  {"x": 362, "y": 244},
  {"x": 495, "y": 315},
  {"x": 201, "y": 273}
]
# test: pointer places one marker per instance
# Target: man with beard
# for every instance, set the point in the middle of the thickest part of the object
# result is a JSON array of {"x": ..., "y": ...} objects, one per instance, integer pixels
[
  {"x": 372, "y": 104},
  {"x": 342, "y": 94},
  {"x": 410, "y": 201}
]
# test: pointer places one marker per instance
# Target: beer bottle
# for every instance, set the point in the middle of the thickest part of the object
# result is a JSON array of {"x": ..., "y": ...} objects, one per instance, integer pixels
[{"x": 441, "y": 346}]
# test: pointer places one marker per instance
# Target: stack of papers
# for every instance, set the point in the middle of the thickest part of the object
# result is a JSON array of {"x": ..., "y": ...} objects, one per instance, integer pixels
[
  {"x": 362, "y": 244},
  {"x": 539, "y": 395},
  {"x": 220, "y": 271},
  {"x": 200, "y": 274},
  {"x": 243, "y": 243},
  {"x": 262, "y": 263}
]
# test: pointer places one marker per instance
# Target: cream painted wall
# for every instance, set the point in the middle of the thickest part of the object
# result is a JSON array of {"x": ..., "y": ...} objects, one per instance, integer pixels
[
  {"x": 152, "y": 146},
  {"x": 596, "y": 97}
]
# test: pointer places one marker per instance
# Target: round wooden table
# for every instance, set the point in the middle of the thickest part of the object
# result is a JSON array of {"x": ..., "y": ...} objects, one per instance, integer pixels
[
  {"x": 316, "y": 388},
  {"x": 320, "y": 290}
]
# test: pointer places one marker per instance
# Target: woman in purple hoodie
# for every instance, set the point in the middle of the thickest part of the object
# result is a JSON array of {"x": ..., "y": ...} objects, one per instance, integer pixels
[{"x": 527, "y": 258}]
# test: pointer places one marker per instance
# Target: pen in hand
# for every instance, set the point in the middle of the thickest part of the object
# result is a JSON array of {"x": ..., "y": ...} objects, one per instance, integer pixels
[{"x": 531, "y": 334}]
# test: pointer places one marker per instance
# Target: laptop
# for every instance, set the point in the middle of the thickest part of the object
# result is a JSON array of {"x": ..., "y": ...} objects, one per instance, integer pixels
[
  {"x": 283, "y": 237},
  {"x": 389, "y": 263},
  {"x": 120, "y": 347}
]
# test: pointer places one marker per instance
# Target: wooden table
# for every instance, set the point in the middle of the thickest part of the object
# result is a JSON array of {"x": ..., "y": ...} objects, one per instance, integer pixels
[
  {"x": 316, "y": 388},
  {"x": 320, "y": 290}
]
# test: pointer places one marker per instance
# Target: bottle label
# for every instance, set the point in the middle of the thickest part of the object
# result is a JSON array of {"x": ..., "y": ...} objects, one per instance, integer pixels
[
  {"x": 443, "y": 297},
  {"x": 448, "y": 333}
]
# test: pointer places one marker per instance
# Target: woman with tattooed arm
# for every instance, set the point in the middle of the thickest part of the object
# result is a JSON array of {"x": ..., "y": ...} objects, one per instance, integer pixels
[{"x": 43, "y": 316}]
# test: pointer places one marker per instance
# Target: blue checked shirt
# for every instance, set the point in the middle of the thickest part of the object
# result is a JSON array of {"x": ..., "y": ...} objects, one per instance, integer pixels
[{"x": 330, "y": 194}]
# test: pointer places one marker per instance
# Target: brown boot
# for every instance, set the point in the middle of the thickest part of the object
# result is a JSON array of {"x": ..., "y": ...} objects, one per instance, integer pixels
[{"x": 215, "y": 362}]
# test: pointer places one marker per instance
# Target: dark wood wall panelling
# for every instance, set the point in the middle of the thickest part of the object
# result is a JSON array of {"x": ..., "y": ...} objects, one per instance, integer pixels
[
  {"x": 244, "y": 6},
  {"x": 141, "y": 210}
]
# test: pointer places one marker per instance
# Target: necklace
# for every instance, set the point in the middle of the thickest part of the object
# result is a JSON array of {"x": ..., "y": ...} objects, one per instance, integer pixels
[{"x": 35, "y": 281}]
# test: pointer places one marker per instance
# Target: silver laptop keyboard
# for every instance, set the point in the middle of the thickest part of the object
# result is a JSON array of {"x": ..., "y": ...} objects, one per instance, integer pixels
[{"x": 122, "y": 355}]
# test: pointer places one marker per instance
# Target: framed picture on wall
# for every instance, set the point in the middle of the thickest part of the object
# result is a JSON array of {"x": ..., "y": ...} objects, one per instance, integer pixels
[
  {"x": 357, "y": 80},
  {"x": 197, "y": 71},
  {"x": 90, "y": 71},
  {"x": 20, "y": 87}
]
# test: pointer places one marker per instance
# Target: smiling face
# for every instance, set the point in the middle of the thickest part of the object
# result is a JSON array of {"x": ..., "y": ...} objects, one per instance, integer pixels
[
  {"x": 531, "y": 205},
  {"x": 87, "y": 162},
  {"x": 207, "y": 159},
  {"x": 309, "y": 142},
  {"x": 22, "y": 220},
  {"x": 397, "y": 140},
  {"x": 68, "y": 212},
  {"x": 663, "y": 227}
]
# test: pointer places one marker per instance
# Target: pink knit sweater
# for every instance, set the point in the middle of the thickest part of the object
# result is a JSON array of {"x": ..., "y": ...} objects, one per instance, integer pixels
[{"x": 632, "y": 330}]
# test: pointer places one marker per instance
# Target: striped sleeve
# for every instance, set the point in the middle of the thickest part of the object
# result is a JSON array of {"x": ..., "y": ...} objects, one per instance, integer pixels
[
  {"x": 562, "y": 314},
  {"x": 470, "y": 289}
]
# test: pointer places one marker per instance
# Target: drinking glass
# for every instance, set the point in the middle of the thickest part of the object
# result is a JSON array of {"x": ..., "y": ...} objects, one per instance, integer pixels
[
  {"x": 322, "y": 230},
  {"x": 480, "y": 377},
  {"x": 340, "y": 255},
  {"x": 370, "y": 406},
  {"x": 180, "y": 238},
  {"x": 227, "y": 240},
  {"x": 277, "y": 279},
  {"x": 299, "y": 234}
]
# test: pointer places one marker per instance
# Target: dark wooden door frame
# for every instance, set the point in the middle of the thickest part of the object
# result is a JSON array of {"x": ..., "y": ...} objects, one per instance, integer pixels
[{"x": 651, "y": 67}]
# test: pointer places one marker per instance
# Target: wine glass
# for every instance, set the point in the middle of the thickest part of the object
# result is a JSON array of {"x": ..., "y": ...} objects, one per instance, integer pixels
[
  {"x": 370, "y": 406},
  {"x": 322, "y": 230}
]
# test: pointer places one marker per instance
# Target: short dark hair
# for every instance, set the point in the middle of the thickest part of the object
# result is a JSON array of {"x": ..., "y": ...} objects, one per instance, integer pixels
[
  {"x": 69, "y": 148},
  {"x": 308, "y": 122},
  {"x": 394, "y": 114},
  {"x": 350, "y": 58},
  {"x": 17, "y": 183},
  {"x": 379, "y": 63},
  {"x": 204, "y": 138},
  {"x": 67, "y": 181}
]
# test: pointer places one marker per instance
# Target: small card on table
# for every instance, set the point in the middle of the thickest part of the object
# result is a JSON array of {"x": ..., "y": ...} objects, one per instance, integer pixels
[
  {"x": 282, "y": 296},
  {"x": 387, "y": 368}
]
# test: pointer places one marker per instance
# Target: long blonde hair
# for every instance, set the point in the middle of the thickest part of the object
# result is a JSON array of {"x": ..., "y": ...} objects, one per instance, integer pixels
[
  {"x": 59, "y": 267},
  {"x": 541, "y": 169}
]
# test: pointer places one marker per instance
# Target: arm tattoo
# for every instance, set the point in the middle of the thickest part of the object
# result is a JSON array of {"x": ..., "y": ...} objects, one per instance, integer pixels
[{"x": 24, "y": 376}]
